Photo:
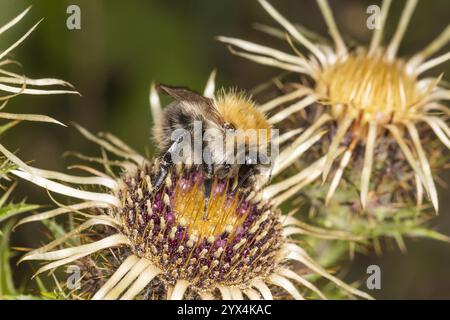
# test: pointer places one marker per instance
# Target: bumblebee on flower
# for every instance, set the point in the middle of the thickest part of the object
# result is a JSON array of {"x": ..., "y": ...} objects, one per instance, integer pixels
[{"x": 174, "y": 241}]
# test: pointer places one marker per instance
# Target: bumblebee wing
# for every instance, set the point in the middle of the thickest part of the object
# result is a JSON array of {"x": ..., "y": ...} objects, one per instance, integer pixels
[{"x": 205, "y": 105}]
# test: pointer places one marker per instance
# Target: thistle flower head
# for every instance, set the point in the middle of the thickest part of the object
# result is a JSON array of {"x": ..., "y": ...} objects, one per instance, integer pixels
[
  {"x": 234, "y": 240},
  {"x": 170, "y": 241},
  {"x": 239, "y": 245},
  {"x": 371, "y": 88},
  {"x": 368, "y": 94}
]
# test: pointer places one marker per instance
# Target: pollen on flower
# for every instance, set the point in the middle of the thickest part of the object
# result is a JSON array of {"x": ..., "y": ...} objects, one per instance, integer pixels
[
  {"x": 221, "y": 214},
  {"x": 381, "y": 89},
  {"x": 230, "y": 240}
]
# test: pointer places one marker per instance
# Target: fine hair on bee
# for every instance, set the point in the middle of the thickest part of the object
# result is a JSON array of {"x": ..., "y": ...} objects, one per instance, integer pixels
[{"x": 227, "y": 137}]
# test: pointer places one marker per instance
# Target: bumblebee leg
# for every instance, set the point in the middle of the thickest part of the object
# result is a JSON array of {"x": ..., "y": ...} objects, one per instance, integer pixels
[
  {"x": 207, "y": 186},
  {"x": 165, "y": 164},
  {"x": 250, "y": 163},
  {"x": 248, "y": 174},
  {"x": 209, "y": 171}
]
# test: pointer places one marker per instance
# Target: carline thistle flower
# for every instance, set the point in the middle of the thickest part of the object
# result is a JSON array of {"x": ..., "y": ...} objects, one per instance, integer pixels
[
  {"x": 241, "y": 248},
  {"x": 369, "y": 94}
]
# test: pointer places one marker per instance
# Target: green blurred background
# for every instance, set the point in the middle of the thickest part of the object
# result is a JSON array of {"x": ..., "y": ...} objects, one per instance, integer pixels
[{"x": 124, "y": 45}]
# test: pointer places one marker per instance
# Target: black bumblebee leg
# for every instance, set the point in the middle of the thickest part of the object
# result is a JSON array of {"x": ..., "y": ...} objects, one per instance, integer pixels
[
  {"x": 208, "y": 182},
  {"x": 249, "y": 166},
  {"x": 227, "y": 168},
  {"x": 207, "y": 186},
  {"x": 165, "y": 164},
  {"x": 248, "y": 174}
]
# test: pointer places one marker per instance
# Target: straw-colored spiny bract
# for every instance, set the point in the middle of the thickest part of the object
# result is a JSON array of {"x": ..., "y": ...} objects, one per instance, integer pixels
[
  {"x": 13, "y": 84},
  {"x": 394, "y": 209},
  {"x": 370, "y": 96},
  {"x": 166, "y": 243}
]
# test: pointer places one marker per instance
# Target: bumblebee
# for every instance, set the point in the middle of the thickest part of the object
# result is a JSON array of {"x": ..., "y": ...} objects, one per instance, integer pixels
[{"x": 235, "y": 137}]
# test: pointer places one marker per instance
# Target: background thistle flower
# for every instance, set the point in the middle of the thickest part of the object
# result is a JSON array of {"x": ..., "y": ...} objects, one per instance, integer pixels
[
  {"x": 377, "y": 111},
  {"x": 369, "y": 94}
]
